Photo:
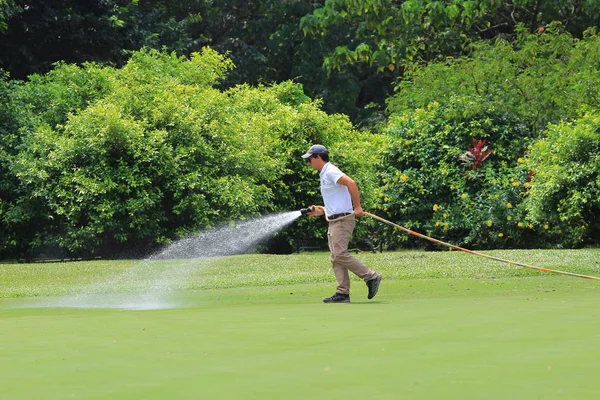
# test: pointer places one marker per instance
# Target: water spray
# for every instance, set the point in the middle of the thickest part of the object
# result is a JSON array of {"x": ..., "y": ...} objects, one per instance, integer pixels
[{"x": 153, "y": 282}]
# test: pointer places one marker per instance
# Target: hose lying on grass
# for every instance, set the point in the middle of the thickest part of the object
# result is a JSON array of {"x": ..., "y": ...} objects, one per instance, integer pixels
[{"x": 479, "y": 254}]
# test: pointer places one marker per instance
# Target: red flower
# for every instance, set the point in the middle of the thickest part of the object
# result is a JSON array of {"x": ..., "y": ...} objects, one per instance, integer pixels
[
  {"x": 476, "y": 155},
  {"x": 529, "y": 176}
]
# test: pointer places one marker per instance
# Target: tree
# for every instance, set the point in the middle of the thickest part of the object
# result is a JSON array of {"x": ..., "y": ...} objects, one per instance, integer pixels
[
  {"x": 42, "y": 33},
  {"x": 384, "y": 37},
  {"x": 7, "y": 10}
]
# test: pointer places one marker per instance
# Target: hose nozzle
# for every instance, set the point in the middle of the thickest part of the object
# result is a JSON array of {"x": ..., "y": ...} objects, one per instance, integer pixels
[{"x": 306, "y": 210}]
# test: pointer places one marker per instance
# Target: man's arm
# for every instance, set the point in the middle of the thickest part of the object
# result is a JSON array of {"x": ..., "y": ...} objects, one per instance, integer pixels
[{"x": 354, "y": 194}]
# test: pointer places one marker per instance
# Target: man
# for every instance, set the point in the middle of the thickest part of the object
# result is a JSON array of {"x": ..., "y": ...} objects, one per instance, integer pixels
[{"x": 342, "y": 203}]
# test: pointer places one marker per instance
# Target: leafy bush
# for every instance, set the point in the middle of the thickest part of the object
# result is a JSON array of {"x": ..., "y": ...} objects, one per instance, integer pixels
[
  {"x": 44, "y": 102},
  {"x": 505, "y": 94},
  {"x": 564, "y": 195},
  {"x": 424, "y": 185},
  {"x": 153, "y": 152}
]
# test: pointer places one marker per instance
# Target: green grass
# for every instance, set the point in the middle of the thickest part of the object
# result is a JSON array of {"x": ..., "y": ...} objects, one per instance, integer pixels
[
  {"x": 444, "y": 325},
  {"x": 255, "y": 270}
]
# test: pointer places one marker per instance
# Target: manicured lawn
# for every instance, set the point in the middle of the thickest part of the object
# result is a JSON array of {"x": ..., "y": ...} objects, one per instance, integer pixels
[{"x": 484, "y": 331}]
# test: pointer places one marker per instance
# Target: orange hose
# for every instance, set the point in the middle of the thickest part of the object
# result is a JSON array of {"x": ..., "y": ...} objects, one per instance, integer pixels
[{"x": 479, "y": 254}]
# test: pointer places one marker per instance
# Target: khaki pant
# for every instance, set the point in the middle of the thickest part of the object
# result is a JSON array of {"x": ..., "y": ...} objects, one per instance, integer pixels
[{"x": 338, "y": 237}]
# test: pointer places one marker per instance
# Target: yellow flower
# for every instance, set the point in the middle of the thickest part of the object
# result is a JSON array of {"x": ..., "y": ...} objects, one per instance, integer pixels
[
  {"x": 385, "y": 209},
  {"x": 404, "y": 178},
  {"x": 387, "y": 199},
  {"x": 435, "y": 207},
  {"x": 501, "y": 234},
  {"x": 451, "y": 187},
  {"x": 508, "y": 218},
  {"x": 463, "y": 196},
  {"x": 520, "y": 224},
  {"x": 508, "y": 205},
  {"x": 520, "y": 160},
  {"x": 445, "y": 215},
  {"x": 466, "y": 206},
  {"x": 530, "y": 226},
  {"x": 546, "y": 226},
  {"x": 516, "y": 183},
  {"x": 380, "y": 194},
  {"x": 489, "y": 223},
  {"x": 384, "y": 180}
]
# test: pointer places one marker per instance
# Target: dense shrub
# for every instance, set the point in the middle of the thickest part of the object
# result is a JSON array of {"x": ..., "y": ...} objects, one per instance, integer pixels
[
  {"x": 564, "y": 195},
  {"x": 132, "y": 158},
  {"x": 506, "y": 94},
  {"x": 424, "y": 186}
]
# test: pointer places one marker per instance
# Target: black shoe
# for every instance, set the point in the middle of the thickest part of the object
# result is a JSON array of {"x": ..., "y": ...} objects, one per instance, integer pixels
[
  {"x": 337, "y": 298},
  {"x": 373, "y": 285}
]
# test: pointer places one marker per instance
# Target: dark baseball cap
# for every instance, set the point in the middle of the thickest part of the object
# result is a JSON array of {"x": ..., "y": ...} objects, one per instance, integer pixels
[{"x": 316, "y": 149}]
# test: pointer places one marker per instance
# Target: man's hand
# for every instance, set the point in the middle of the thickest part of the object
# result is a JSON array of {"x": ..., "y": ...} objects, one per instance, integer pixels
[
  {"x": 354, "y": 195},
  {"x": 317, "y": 211}
]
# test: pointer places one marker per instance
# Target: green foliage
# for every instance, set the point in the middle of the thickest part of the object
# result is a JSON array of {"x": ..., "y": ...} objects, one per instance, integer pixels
[
  {"x": 66, "y": 89},
  {"x": 385, "y": 33},
  {"x": 115, "y": 160},
  {"x": 564, "y": 195},
  {"x": 8, "y": 9},
  {"x": 347, "y": 53},
  {"x": 262, "y": 38},
  {"x": 38, "y": 34},
  {"x": 505, "y": 94},
  {"x": 375, "y": 41},
  {"x": 542, "y": 77},
  {"x": 425, "y": 187},
  {"x": 169, "y": 144}
]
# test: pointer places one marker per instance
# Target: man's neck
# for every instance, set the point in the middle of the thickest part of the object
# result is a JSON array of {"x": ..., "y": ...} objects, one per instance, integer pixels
[{"x": 321, "y": 164}]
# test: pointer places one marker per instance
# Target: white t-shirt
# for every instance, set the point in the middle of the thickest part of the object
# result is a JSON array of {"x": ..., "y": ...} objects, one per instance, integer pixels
[{"x": 335, "y": 196}]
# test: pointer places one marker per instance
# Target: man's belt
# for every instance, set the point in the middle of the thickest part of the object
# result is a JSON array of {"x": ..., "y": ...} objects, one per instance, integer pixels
[{"x": 336, "y": 216}]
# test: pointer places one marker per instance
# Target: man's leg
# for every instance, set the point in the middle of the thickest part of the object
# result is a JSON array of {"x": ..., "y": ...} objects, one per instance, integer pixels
[
  {"x": 335, "y": 247},
  {"x": 338, "y": 235}
]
